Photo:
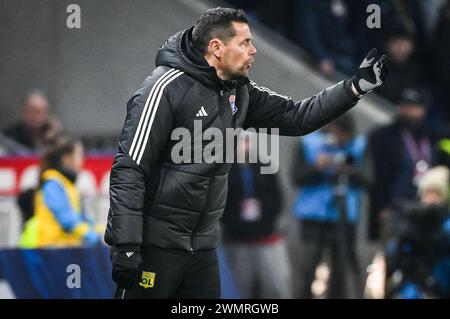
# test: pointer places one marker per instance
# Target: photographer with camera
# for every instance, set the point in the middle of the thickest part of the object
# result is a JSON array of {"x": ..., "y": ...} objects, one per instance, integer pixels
[
  {"x": 418, "y": 247},
  {"x": 328, "y": 170}
]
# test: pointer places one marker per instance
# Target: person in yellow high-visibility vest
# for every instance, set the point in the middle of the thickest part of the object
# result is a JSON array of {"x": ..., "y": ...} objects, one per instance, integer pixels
[{"x": 58, "y": 219}]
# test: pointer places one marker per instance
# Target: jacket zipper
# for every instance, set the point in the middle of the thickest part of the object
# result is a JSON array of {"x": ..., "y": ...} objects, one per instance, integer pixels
[
  {"x": 203, "y": 212},
  {"x": 221, "y": 114},
  {"x": 201, "y": 217}
]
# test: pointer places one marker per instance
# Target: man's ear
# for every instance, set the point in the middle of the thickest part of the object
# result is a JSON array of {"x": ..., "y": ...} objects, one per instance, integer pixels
[{"x": 215, "y": 46}]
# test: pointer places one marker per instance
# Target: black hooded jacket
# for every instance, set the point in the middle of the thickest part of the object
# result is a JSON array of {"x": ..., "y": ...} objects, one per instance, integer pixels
[{"x": 157, "y": 202}]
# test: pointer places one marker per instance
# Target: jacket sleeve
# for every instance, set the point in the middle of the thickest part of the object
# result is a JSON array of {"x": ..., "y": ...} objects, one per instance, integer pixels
[
  {"x": 147, "y": 128},
  {"x": 268, "y": 109}
]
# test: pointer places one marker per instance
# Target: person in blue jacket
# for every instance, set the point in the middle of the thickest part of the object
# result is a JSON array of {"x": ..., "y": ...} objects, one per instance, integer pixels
[
  {"x": 327, "y": 158},
  {"x": 59, "y": 219}
]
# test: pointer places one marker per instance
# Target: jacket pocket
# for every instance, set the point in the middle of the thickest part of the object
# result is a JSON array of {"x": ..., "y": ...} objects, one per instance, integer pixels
[{"x": 181, "y": 190}]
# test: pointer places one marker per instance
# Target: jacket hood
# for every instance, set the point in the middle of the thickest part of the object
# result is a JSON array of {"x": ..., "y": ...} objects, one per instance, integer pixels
[{"x": 180, "y": 53}]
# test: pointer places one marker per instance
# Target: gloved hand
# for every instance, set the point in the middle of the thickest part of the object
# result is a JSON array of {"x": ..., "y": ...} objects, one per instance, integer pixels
[
  {"x": 371, "y": 74},
  {"x": 126, "y": 264}
]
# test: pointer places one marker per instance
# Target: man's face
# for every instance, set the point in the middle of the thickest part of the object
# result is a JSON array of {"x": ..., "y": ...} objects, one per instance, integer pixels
[
  {"x": 400, "y": 49},
  {"x": 413, "y": 113},
  {"x": 432, "y": 196},
  {"x": 35, "y": 111},
  {"x": 75, "y": 160},
  {"x": 238, "y": 53},
  {"x": 341, "y": 137}
]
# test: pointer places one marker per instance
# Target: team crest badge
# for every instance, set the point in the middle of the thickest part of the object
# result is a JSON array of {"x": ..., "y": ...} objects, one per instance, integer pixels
[
  {"x": 233, "y": 106},
  {"x": 147, "y": 279}
]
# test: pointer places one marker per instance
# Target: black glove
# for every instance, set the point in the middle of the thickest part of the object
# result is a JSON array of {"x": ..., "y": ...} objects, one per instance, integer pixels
[
  {"x": 126, "y": 263},
  {"x": 371, "y": 74}
]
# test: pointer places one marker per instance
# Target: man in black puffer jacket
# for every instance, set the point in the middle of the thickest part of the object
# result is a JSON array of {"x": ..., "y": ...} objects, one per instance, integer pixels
[{"x": 163, "y": 222}]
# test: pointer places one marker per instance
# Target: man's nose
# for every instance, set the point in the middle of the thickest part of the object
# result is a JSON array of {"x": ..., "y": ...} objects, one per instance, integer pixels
[{"x": 253, "y": 50}]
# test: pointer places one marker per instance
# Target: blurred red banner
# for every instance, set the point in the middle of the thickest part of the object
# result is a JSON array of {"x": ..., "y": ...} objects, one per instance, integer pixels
[{"x": 20, "y": 173}]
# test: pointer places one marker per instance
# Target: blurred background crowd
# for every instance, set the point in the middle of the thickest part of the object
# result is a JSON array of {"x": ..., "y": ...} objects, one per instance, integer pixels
[
  {"x": 387, "y": 186},
  {"x": 335, "y": 35}
]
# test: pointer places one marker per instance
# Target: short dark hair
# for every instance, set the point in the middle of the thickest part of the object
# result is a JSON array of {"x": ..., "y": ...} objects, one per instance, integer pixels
[
  {"x": 55, "y": 149},
  {"x": 216, "y": 23}
]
